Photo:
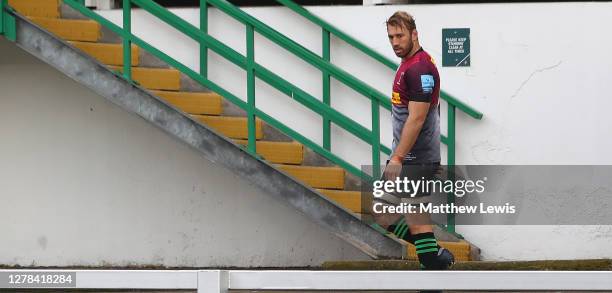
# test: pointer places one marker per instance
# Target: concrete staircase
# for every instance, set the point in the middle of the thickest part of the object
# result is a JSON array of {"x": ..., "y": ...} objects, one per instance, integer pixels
[{"x": 208, "y": 108}]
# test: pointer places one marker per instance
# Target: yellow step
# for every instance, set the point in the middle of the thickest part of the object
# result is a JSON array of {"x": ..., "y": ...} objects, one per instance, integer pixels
[
  {"x": 460, "y": 249},
  {"x": 193, "y": 103},
  {"x": 70, "y": 29},
  {"x": 278, "y": 152},
  {"x": 317, "y": 177},
  {"x": 348, "y": 199},
  {"x": 111, "y": 54},
  {"x": 39, "y": 8},
  {"x": 155, "y": 78},
  {"x": 233, "y": 127}
]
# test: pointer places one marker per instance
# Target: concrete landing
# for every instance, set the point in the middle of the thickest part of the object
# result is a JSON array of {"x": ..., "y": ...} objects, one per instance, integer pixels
[{"x": 538, "y": 265}]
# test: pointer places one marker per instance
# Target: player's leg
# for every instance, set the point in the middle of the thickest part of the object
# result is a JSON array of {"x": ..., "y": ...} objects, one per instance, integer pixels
[
  {"x": 431, "y": 256},
  {"x": 391, "y": 223}
]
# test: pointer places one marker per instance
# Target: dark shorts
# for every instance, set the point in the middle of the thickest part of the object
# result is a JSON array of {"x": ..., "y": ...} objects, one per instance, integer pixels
[{"x": 422, "y": 172}]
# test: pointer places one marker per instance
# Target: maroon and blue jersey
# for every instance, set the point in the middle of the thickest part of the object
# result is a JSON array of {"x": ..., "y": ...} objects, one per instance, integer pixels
[{"x": 417, "y": 80}]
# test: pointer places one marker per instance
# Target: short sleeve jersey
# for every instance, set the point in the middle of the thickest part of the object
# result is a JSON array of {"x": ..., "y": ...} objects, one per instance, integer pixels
[{"x": 417, "y": 79}]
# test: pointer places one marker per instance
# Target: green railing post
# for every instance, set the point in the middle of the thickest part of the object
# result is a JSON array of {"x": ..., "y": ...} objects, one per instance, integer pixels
[
  {"x": 204, "y": 29},
  {"x": 250, "y": 43},
  {"x": 2, "y": 17},
  {"x": 8, "y": 26},
  {"x": 326, "y": 91},
  {"x": 127, "y": 42},
  {"x": 375, "y": 139},
  {"x": 450, "y": 162},
  {"x": 82, "y": 2}
]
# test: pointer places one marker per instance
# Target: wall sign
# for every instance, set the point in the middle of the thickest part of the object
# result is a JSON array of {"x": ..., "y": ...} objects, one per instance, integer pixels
[{"x": 455, "y": 47}]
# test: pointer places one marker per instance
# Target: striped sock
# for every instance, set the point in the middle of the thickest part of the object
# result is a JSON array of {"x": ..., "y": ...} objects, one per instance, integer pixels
[
  {"x": 401, "y": 230},
  {"x": 426, "y": 249}
]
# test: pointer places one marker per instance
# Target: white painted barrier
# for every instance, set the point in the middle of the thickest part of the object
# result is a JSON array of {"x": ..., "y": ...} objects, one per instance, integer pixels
[{"x": 220, "y": 281}]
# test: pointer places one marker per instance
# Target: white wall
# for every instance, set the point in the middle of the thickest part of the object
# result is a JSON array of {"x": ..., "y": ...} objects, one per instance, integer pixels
[
  {"x": 540, "y": 73},
  {"x": 84, "y": 183}
]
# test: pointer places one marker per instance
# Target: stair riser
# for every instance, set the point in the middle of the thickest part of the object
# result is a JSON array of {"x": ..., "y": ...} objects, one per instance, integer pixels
[
  {"x": 231, "y": 127},
  {"x": 70, "y": 30},
  {"x": 193, "y": 103},
  {"x": 154, "y": 78},
  {"x": 317, "y": 177},
  {"x": 349, "y": 200},
  {"x": 111, "y": 54},
  {"x": 37, "y": 8},
  {"x": 278, "y": 153}
]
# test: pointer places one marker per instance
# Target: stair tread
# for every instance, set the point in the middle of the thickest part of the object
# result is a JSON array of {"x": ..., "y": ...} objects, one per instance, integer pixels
[
  {"x": 70, "y": 29},
  {"x": 348, "y": 199},
  {"x": 193, "y": 102},
  {"x": 317, "y": 177},
  {"x": 107, "y": 53},
  {"x": 154, "y": 78},
  {"x": 278, "y": 152},
  {"x": 231, "y": 126},
  {"x": 37, "y": 8}
]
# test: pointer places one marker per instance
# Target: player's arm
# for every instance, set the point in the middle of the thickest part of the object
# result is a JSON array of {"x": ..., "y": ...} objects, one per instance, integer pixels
[
  {"x": 412, "y": 127},
  {"x": 421, "y": 85},
  {"x": 410, "y": 132}
]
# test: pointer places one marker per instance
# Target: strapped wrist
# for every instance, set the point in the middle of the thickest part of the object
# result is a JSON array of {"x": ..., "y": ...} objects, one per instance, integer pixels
[{"x": 396, "y": 158}]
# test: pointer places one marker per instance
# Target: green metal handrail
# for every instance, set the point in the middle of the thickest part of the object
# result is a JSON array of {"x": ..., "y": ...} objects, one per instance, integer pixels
[{"x": 243, "y": 62}]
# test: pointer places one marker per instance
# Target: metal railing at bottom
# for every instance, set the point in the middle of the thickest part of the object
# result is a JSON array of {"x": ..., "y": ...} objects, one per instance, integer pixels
[{"x": 217, "y": 281}]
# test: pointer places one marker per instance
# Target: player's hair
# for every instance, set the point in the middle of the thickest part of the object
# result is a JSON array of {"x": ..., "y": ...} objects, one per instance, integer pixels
[{"x": 402, "y": 19}]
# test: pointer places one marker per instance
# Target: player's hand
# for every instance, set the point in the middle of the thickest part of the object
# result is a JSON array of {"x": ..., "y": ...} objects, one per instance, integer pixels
[{"x": 393, "y": 170}]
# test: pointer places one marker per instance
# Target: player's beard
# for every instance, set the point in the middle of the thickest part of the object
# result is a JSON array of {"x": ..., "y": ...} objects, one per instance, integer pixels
[
  {"x": 408, "y": 49},
  {"x": 403, "y": 53}
]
